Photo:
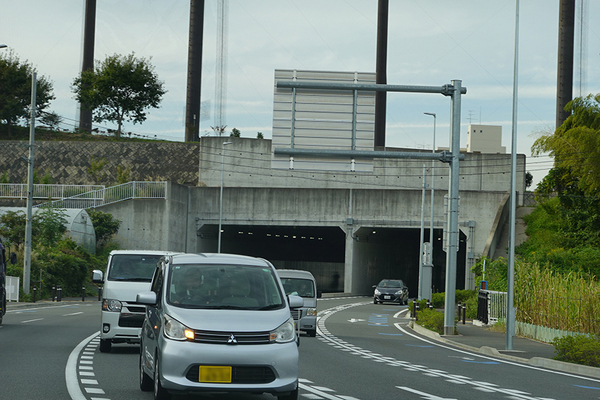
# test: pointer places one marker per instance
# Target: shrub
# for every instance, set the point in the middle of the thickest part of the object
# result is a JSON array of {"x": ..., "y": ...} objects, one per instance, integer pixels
[
  {"x": 431, "y": 319},
  {"x": 579, "y": 349}
]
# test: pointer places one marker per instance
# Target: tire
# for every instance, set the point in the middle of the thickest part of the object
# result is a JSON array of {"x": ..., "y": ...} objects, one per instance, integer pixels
[
  {"x": 159, "y": 392},
  {"x": 146, "y": 383},
  {"x": 374, "y": 300},
  {"x": 290, "y": 396},
  {"x": 105, "y": 345},
  {"x": 312, "y": 333}
]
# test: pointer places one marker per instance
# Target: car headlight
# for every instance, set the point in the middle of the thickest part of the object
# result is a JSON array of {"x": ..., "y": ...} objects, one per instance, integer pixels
[
  {"x": 377, "y": 292},
  {"x": 285, "y": 333},
  {"x": 311, "y": 311},
  {"x": 175, "y": 330},
  {"x": 111, "y": 305},
  {"x": 399, "y": 292}
]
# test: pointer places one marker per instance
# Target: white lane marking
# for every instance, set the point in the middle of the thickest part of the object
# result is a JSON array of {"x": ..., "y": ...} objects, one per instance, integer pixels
[
  {"x": 32, "y": 320},
  {"x": 71, "y": 370},
  {"x": 75, "y": 313},
  {"x": 423, "y": 395},
  {"x": 320, "y": 391},
  {"x": 500, "y": 360}
]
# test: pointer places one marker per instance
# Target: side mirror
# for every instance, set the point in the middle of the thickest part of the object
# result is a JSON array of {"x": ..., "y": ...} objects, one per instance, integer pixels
[
  {"x": 13, "y": 258},
  {"x": 295, "y": 301},
  {"x": 97, "y": 276},
  {"x": 146, "y": 298}
]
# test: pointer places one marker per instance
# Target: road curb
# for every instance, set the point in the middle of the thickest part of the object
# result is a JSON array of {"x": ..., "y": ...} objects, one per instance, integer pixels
[{"x": 491, "y": 351}]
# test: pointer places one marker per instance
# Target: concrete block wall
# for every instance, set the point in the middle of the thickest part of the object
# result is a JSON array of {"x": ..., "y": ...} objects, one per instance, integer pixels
[{"x": 70, "y": 162}]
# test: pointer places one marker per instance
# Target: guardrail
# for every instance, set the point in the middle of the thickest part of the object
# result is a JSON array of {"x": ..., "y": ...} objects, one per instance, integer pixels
[
  {"x": 113, "y": 194},
  {"x": 42, "y": 191}
]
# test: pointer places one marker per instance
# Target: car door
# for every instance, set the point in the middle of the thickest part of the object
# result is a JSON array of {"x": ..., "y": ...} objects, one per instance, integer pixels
[{"x": 153, "y": 321}]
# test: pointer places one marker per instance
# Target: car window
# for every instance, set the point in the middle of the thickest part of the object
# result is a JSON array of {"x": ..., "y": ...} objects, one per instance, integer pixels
[
  {"x": 388, "y": 283},
  {"x": 132, "y": 267},
  {"x": 224, "y": 287},
  {"x": 298, "y": 287}
]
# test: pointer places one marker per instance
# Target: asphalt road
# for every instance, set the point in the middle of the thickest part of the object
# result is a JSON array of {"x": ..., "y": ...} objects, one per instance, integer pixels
[{"x": 362, "y": 352}]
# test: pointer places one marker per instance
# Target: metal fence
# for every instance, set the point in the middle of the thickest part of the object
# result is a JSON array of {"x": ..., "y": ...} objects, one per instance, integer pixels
[
  {"x": 114, "y": 194},
  {"x": 12, "y": 288},
  {"x": 491, "y": 306},
  {"x": 41, "y": 191}
]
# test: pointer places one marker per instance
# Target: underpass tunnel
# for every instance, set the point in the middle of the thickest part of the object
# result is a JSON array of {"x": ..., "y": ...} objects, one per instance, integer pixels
[
  {"x": 377, "y": 253},
  {"x": 320, "y": 250},
  {"x": 393, "y": 253}
]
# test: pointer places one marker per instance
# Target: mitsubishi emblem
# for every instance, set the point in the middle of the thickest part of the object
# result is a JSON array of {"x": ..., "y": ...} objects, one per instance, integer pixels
[{"x": 232, "y": 340}]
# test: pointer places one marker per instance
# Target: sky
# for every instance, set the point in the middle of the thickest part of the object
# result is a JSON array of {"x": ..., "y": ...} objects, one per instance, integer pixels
[{"x": 430, "y": 43}]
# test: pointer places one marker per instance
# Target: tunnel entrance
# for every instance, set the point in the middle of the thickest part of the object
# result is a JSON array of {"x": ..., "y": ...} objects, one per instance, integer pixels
[{"x": 379, "y": 253}]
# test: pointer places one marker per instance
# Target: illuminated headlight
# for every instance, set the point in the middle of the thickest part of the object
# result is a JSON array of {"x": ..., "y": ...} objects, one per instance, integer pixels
[
  {"x": 175, "y": 330},
  {"x": 377, "y": 292},
  {"x": 399, "y": 292},
  {"x": 285, "y": 333},
  {"x": 311, "y": 311},
  {"x": 111, "y": 305}
]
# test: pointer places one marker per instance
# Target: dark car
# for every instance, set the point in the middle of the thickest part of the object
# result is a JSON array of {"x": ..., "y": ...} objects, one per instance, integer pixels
[{"x": 390, "y": 291}]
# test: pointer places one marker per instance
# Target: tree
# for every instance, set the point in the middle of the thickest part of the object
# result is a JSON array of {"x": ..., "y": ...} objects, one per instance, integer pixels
[
  {"x": 120, "y": 89},
  {"x": 575, "y": 147},
  {"x": 15, "y": 90},
  {"x": 235, "y": 132},
  {"x": 105, "y": 225}
]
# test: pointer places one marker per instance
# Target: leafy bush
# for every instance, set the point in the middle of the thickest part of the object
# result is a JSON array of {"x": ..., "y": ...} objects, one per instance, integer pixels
[
  {"x": 431, "y": 319},
  {"x": 580, "y": 349}
]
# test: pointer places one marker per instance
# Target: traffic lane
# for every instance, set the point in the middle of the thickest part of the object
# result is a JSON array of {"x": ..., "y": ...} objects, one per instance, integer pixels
[
  {"x": 35, "y": 344},
  {"x": 376, "y": 329}
]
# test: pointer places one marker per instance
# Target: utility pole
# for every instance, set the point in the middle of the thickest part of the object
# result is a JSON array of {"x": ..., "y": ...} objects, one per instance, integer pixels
[
  {"x": 85, "y": 115},
  {"x": 28, "y": 225},
  {"x": 194, "y": 73}
]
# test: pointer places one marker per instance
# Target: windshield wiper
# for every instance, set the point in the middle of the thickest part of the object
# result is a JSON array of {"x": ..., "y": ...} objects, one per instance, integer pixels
[{"x": 271, "y": 307}]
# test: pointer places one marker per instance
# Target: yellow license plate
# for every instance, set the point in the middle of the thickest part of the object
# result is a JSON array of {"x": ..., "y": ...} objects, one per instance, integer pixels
[{"x": 214, "y": 374}]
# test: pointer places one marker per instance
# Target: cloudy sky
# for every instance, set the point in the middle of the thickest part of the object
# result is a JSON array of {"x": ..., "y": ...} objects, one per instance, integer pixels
[{"x": 431, "y": 42}]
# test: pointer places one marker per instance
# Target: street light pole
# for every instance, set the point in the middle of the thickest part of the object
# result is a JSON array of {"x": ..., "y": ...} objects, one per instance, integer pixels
[
  {"x": 221, "y": 197},
  {"x": 432, "y": 187}
]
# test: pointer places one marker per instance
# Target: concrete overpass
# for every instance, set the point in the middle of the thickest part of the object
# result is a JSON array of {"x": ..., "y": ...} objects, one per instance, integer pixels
[{"x": 350, "y": 229}]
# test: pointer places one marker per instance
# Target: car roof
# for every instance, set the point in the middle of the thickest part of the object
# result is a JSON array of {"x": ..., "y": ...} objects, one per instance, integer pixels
[
  {"x": 218, "y": 258},
  {"x": 150, "y": 252},
  {"x": 294, "y": 273}
]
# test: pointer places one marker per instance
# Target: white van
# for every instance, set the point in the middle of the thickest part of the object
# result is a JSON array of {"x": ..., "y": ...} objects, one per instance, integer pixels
[
  {"x": 303, "y": 284},
  {"x": 128, "y": 272}
]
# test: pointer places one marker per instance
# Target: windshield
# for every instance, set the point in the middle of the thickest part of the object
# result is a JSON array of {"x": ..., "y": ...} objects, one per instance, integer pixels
[
  {"x": 132, "y": 267},
  {"x": 388, "y": 283},
  {"x": 298, "y": 287},
  {"x": 239, "y": 287}
]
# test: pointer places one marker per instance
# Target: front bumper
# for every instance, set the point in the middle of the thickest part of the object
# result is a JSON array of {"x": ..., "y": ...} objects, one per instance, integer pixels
[{"x": 277, "y": 363}]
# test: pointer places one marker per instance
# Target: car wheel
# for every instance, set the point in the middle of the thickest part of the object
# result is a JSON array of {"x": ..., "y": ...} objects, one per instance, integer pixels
[
  {"x": 159, "y": 392},
  {"x": 374, "y": 301},
  {"x": 146, "y": 383},
  {"x": 312, "y": 333},
  {"x": 290, "y": 396},
  {"x": 105, "y": 345}
]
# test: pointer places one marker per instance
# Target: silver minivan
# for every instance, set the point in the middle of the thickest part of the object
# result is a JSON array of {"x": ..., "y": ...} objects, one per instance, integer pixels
[
  {"x": 218, "y": 323},
  {"x": 302, "y": 283}
]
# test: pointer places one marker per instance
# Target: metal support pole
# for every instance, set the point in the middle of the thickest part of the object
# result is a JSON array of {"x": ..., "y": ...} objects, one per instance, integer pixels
[
  {"x": 422, "y": 235},
  {"x": 453, "y": 232},
  {"x": 510, "y": 311},
  {"x": 221, "y": 197},
  {"x": 30, "y": 161}
]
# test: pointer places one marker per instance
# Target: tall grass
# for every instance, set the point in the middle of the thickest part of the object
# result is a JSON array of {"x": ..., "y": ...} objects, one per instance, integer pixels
[{"x": 569, "y": 301}]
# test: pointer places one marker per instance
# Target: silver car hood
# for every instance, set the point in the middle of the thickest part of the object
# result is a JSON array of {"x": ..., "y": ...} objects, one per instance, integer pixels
[{"x": 230, "y": 320}]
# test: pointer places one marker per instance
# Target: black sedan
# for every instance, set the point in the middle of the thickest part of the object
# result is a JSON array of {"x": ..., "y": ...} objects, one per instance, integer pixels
[{"x": 390, "y": 291}]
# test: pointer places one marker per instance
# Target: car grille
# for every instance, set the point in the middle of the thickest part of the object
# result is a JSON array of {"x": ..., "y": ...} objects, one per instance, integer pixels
[
  {"x": 296, "y": 314},
  {"x": 226, "y": 337},
  {"x": 246, "y": 374},
  {"x": 131, "y": 320}
]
